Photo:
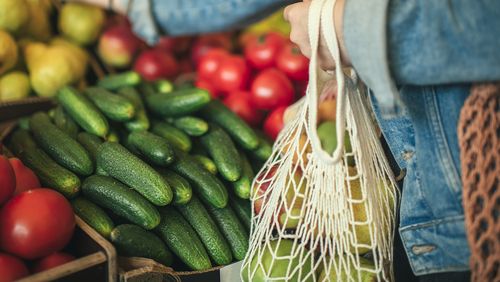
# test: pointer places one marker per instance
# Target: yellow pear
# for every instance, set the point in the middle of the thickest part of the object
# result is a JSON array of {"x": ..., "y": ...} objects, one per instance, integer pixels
[
  {"x": 363, "y": 275},
  {"x": 38, "y": 24},
  {"x": 8, "y": 51},
  {"x": 81, "y": 23},
  {"x": 76, "y": 55},
  {"x": 13, "y": 15},
  {"x": 14, "y": 86}
]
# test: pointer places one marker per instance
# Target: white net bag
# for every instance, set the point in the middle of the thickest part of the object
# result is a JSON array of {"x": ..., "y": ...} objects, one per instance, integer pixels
[{"x": 322, "y": 217}]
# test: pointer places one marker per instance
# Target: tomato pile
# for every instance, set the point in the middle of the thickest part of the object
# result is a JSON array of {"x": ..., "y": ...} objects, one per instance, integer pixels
[{"x": 35, "y": 223}]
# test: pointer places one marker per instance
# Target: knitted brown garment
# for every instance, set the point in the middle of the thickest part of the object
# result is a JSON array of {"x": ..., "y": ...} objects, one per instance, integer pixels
[{"x": 479, "y": 138}]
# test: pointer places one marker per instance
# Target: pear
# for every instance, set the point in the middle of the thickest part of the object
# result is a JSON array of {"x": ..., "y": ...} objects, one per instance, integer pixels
[
  {"x": 8, "y": 51},
  {"x": 363, "y": 275},
  {"x": 14, "y": 86},
  {"x": 79, "y": 57},
  {"x": 327, "y": 134},
  {"x": 13, "y": 15},
  {"x": 38, "y": 25},
  {"x": 81, "y": 23}
]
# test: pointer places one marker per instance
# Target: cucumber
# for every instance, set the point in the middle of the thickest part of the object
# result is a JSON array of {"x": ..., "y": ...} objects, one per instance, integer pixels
[
  {"x": 164, "y": 86},
  {"x": 141, "y": 119},
  {"x": 222, "y": 150},
  {"x": 24, "y": 123},
  {"x": 115, "y": 107},
  {"x": 113, "y": 136},
  {"x": 243, "y": 186},
  {"x": 83, "y": 111},
  {"x": 115, "y": 81},
  {"x": 65, "y": 123},
  {"x": 215, "y": 243},
  {"x": 181, "y": 238},
  {"x": 48, "y": 171},
  {"x": 206, "y": 162},
  {"x": 123, "y": 201},
  {"x": 133, "y": 241},
  {"x": 119, "y": 163},
  {"x": 60, "y": 146},
  {"x": 90, "y": 142},
  {"x": 234, "y": 231},
  {"x": 192, "y": 126},
  {"x": 93, "y": 215},
  {"x": 242, "y": 208},
  {"x": 205, "y": 184},
  {"x": 153, "y": 147},
  {"x": 174, "y": 136},
  {"x": 180, "y": 186},
  {"x": 264, "y": 150},
  {"x": 241, "y": 132},
  {"x": 178, "y": 103}
]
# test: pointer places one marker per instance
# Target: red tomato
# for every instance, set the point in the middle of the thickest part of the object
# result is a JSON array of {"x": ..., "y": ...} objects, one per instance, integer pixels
[
  {"x": 7, "y": 180},
  {"x": 52, "y": 261},
  {"x": 11, "y": 268},
  {"x": 232, "y": 74},
  {"x": 274, "y": 122},
  {"x": 293, "y": 63},
  {"x": 176, "y": 45},
  {"x": 239, "y": 102},
  {"x": 205, "y": 84},
  {"x": 36, "y": 223},
  {"x": 261, "y": 51},
  {"x": 270, "y": 89},
  {"x": 26, "y": 179},
  {"x": 155, "y": 64},
  {"x": 209, "y": 63},
  {"x": 206, "y": 42}
]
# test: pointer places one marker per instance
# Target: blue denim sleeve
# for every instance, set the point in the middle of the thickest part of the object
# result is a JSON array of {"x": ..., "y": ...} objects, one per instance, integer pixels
[
  {"x": 151, "y": 18},
  {"x": 422, "y": 43}
]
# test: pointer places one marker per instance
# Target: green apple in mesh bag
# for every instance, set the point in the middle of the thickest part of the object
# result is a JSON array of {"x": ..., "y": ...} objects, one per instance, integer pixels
[
  {"x": 264, "y": 271},
  {"x": 327, "y": 134},
  {"x": 363, "y": 275}
]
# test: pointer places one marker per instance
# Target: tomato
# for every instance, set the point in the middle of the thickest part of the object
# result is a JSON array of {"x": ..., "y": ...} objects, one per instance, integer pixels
[
  {"x": 11, "y": 268},
  {"x": 7, "y": 180},
  {"x": 232, "y": 74},
  {"x": 52, "y": 261},
  {"x": 239, "y": 102},
  {"x": 176, "y": 45},
  {"x": 206, "y": 42},
  {"x": 205, "y": 84},
  {"x": 26, "y": 179},
  {"x": 209, "y": 63},
  {"x": 261, "y": 51},
  {"x": 274, "y": 122},
  {"x": 155, "y": 64},
  {"x": 293, "y": 63},
  {"x": 36, "y": 223},
  {"x": 270, "y": 89}
]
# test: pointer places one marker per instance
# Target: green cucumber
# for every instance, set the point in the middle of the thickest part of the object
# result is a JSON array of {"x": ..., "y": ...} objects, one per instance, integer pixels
[
  {"x": 241, "y": 132},
  {"x": 115, "y": 81},
  {"x": 264, "y": 150},
  {"x": 206, "y": 162},
  {"x": 141, "y": 119},
  {"x": 213, "y": 240},
  {"x": 222, "y": 150},
  {"x": 164, "y": 86},
  {"x": 120, "y": 199},
  {"x": 178, "y": 103},
  {"x": 234, "y": 231},
  {"x": 174, "y": 136},
  {"x": 205, "y": 184},
  {"x": 121, "y": 164},
  {"x": 181, "y": 238},
  {"x": 90, "y": 142},
  {"x": 154, "y": 148},
  {"x": 113, "y": 135},
  {"x": 242, "y": 208},
  {"x": 60, "y": 146},
  {"x": 180, "y": 186},
  {"x": 243, "y": 186},
  {"x": 24, "y": 123},
  {"x": 64, "y": 122},
  {"x": 48, "y": 171},
  {"x": 115, "y": 107},
  {"x": 83, "y": 111},
  {"x": 93, "y": 215},
  {"x": 133, "y": 241},
  {"x": 192, "y": 126}
]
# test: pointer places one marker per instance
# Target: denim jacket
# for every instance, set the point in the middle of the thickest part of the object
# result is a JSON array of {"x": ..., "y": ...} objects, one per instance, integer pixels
[{"x": 419, "y": 59}]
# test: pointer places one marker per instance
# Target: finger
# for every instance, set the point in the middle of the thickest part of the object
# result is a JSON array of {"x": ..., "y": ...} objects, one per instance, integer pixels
[{"x": 290, "y": 10}]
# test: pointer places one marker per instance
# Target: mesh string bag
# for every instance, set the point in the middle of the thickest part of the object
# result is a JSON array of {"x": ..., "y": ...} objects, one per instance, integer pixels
[{"x": 320, "y": 216}]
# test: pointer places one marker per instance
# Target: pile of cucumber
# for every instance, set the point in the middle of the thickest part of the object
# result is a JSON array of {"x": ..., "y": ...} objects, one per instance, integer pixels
[{"x": 163, "y": 173}]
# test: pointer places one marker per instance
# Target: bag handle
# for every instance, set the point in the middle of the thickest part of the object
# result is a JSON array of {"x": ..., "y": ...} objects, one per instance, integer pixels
[{"x": 321, "y": 20}]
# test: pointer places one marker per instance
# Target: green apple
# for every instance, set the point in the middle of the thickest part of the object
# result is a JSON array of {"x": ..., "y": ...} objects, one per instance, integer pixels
[
  {"x": 81, "y": 23},
  {"x": 14, "y": 86},
  {"x": 327, "y": 134},
  {"x": 362, "y": 275}
]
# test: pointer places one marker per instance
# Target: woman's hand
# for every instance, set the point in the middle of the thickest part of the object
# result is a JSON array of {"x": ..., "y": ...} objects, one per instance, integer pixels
[{"x": 297, "y": 15}]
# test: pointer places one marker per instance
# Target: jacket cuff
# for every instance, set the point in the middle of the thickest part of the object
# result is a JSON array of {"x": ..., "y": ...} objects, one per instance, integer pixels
[
  {"x": 140, "y": 14},
  {"x": 365, "y": 37}
]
